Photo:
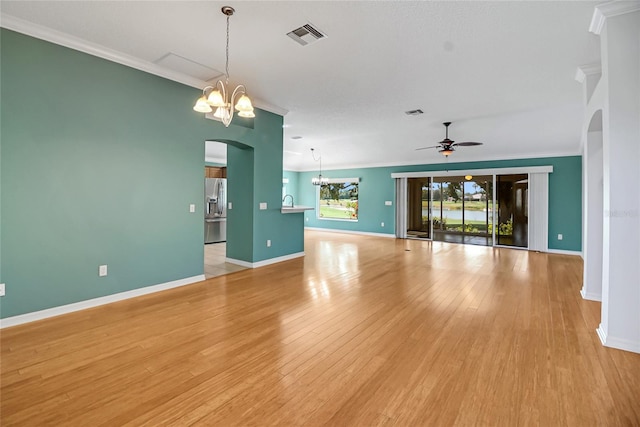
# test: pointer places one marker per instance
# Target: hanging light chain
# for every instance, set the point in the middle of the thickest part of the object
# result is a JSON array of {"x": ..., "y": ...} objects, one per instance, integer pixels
[{"x": 227, "y": 54}]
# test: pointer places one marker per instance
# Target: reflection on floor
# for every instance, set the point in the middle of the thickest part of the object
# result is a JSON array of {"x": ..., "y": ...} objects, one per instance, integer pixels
[
  {"x": 214, "y": 264},
  {"x": 515, "y": 240},
  {"x": 417, "y": 234},
  {"x": 461, "y": 238}
]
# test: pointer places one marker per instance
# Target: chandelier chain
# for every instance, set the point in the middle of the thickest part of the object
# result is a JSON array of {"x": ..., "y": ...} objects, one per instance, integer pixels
[
  {"x": 319, "y": 159},
  {"x": 227, "y": 54}
]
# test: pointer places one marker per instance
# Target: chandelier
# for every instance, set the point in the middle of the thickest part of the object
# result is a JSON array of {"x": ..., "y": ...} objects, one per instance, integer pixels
[
  {"x": 318, "y": 180},
  {"x": 218, "y": 96}
]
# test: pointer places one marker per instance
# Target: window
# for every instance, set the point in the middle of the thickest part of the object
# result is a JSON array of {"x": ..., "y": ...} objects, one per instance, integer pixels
[{"x": 338, "y": 199}]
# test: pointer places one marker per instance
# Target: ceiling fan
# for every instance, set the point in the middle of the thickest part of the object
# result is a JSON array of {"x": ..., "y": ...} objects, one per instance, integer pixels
[{"x": 445, "y": 147}]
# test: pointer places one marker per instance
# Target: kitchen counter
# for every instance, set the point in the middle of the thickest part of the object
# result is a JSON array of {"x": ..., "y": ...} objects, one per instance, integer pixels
[{"x": 295, "y": 209}]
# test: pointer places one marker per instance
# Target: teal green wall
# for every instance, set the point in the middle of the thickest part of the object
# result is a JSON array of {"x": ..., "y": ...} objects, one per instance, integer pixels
[
  {"x": 239, "y": 182},
  {"x": 99, "y": 165},
  {"x": 377, "y": 186}
]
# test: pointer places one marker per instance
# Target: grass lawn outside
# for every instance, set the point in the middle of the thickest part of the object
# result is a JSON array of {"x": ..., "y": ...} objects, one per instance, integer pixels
[
  {"x": 457, "y": 206},
  {"x": 331, "y": 212}
]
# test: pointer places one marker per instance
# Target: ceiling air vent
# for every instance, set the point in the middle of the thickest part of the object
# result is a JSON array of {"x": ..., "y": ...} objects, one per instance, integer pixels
[
  {"x": 306, "y": 34},
  {"x": 414, "y": 112}
]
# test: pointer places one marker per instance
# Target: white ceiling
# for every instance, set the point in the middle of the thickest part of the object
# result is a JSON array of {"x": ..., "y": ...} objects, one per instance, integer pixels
[{"x": 503, "y": 72}]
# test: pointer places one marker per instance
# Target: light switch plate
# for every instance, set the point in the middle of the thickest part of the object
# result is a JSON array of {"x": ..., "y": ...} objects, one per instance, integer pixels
[
  {"x": 230, "y": 205},
  {"x": 263, "y": 206},
  {"x": 2, "y": 289},
  {"x": 387, "y": 203},
  {"x": 102, "y": 270},
  {"x": 192, "y": 208}
]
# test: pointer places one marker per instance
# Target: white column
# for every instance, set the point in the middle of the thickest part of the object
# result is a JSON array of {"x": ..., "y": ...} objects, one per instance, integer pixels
[
  {"x": 620, "y": 47},
  {"x": 592, "y": 180}
]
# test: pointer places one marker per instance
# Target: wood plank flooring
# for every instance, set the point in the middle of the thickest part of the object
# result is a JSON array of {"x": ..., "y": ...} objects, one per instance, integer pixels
[{"x": 362, "y": 331}]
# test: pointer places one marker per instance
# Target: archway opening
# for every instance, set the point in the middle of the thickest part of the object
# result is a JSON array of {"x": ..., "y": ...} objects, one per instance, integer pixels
[{"x": 228, "y": 192}]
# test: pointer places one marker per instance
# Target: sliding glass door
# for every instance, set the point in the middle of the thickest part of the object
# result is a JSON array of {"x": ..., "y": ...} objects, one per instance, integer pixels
[
  {"x": 512, "y": 199},
  {"x": 418, "y": 214},
  {"x": 460, "y": 209}
]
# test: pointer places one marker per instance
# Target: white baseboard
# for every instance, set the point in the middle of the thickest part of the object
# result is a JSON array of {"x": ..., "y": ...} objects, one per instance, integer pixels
[
  {"x": 95, "y": 302},
  {"x": 362, "y": 233},
  {"x": 590, "y": 296},
  {"x": 620, "y": 344},
  {"x": 564, "y": 252},
  {"x": 264, "y": 262},
  {"x": 601, "y": 334}
]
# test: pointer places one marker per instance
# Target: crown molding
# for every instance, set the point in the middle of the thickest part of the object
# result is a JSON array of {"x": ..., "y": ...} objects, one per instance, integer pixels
[
  {"x": 263, "y": 105},
  {"x": 435, "y": 161},
  {"x": 609, "y": 10},
  {"x": 63, "y": 39},
  {"x": 587, "y": 70}
]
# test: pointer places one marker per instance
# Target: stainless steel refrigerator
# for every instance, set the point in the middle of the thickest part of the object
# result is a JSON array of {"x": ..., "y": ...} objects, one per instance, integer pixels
[{"x": 215, "y": 212}]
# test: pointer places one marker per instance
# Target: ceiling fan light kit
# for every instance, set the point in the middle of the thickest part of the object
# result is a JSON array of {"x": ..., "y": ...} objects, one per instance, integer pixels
[
  {"x": 446, "y": 146},
  {"x": 218, "y": 96}
]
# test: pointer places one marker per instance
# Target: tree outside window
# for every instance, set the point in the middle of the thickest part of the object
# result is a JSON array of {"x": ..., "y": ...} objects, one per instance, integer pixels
[{"x": 338, "y": 200}]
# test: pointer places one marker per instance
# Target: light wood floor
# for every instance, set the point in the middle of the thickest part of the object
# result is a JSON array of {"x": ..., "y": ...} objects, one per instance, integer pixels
[{"x": 362, "y": 331}]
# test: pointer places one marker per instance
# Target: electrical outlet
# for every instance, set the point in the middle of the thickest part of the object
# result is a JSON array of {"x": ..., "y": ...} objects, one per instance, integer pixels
[
  {"x": 230, "y": 206},
  {"x": 102, "y": 270},
  {"x": 192, "y": 208},
  {"x": 2, "y": 289},
  {"x": 382, "y": 224},
  {"x": 387, "y": 203},
  {"x": 559, "y": 236},
  {"x": 263, "y": 206},
  {"x": 268, "y": 243}
]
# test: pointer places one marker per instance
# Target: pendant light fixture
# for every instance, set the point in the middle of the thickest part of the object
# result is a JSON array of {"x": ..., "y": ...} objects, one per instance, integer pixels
[
  {"x": 218, "y": 96},
  {"x": 318, "y": 180}
]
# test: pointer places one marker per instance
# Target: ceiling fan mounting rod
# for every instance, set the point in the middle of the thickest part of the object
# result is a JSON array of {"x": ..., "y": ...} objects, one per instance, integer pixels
[{"x": 446, "y": 126}]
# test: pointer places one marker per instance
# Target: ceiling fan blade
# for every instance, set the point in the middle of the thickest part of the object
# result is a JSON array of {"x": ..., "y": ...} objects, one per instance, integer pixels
[
  {"x": 466, "y": 144},
  {"x": 425, "y": 148}
]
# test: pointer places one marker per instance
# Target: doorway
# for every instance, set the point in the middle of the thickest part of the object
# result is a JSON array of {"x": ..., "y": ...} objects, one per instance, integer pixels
[
  {"x": 215, "y": 245},
  {"x": 462, "y": 209},
  {"x": 418, "y": 212},
  {"x": 512, "y": 202}
]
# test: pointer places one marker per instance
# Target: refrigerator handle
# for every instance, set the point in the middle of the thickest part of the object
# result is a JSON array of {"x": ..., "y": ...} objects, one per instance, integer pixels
[{"x": 221, "y": 199}]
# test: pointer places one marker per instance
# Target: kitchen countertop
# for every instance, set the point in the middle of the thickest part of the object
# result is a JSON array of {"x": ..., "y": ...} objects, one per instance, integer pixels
[{"x": 295, "y": 209}]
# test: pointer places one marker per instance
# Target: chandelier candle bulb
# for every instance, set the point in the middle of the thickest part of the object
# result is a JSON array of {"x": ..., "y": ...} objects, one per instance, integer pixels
[
  {"x": 215, "y": 99},
  {"x": 202, "y": 106},
  {"x": 244, "y": 104}
]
